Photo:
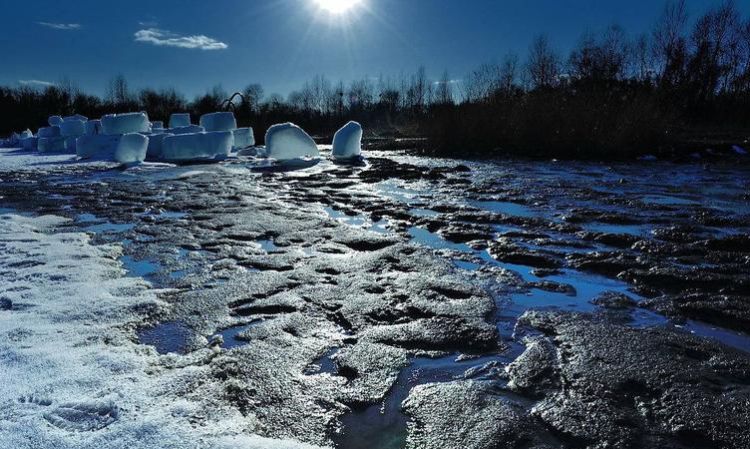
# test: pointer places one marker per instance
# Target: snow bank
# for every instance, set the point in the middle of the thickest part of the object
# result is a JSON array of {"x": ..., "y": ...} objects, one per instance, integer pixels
[
  {"x": 72, "y": 128},
  {"x": 55, "y": 120},
  {"x": 288, "y": 141},
  {"x": 190, "y": 129},
  {"x": 347, "y": 142},
  {"x": 219, "y": 121},
  {"x": 179, "y": 120},
  {"x": 50, "y": 131},
  {"x": 243, "y": 138},
  {"x": 155, "y": 144},
  {"x": 93, "y": 127},
  {"x": 51, "y": 144},
  {"x": 131, "y": 149},
  {"x": 135, "y": 122},
  {"x": 187, "y": 147},
  {"x": 96, "y": 146}
]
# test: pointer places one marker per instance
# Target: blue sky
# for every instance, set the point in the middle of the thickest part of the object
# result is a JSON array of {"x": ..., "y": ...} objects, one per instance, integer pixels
[{"x": 192, "y": 45}]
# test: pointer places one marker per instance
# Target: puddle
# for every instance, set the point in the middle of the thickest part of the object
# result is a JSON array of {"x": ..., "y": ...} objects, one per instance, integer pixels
[
  {"x": 506, "y": 208},
  {"x": 352, "y": 220},
  {"x": 384, "y": 425},
  {"x": 268, "y": 246},
  {"x": 139, "y": 268},
  {"x": 166, "y": 338},
  {"x": 734, "y": 339},
  {"x": 230, "y": 334}
]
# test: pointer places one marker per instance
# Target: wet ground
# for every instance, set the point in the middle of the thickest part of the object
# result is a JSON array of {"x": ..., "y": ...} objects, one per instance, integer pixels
[{"x": 424, "y": 303}]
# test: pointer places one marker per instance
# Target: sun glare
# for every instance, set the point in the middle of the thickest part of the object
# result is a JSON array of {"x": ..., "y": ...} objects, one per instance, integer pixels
[{"x": 337, "y": 6}]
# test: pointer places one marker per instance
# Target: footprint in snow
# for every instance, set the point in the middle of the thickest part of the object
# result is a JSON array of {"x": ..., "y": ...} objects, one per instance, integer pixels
[{"x": 83, "y": 416}]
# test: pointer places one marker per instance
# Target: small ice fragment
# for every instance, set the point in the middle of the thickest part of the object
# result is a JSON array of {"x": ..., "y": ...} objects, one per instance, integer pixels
[
  {"x": 179, "y": 120},
  {"x": 50, "y": 131},
  {"x": 189, "y": 147},
  {"x": 347, "y": 142},
  {"x": 243, "y": 138},
  {"x": 72, "y": 128},
  {"x": 131, "y": 149},
  {"x": 190, "y": 129},
  {"x": 219, "y": 121},
  {"x": 134, "y": 122},
  {"x": 97, "y": 146},
  {"x": 155, "y": 145},
  {"x": 93, "y": 127},
  {"x": 287, "y": 141}
]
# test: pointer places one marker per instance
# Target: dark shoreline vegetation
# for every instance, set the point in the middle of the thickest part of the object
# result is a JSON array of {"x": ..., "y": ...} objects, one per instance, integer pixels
[{"x": 682, "y": 88}]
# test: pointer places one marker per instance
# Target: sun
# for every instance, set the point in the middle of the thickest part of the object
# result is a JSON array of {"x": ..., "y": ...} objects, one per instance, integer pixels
[{"x": 337, "y": 6}]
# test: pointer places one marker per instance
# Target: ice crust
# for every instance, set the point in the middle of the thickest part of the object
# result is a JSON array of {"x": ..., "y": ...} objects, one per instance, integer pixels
[
  {"x": 287, "y": 141},
  {"x": 347, "y": 142}
]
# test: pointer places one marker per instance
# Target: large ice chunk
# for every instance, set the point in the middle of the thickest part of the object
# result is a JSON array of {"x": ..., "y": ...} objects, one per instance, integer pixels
[
  {"x": 97, "y": 146},
  {"x": 347, "y": 142},
  {"x": 191, "y": 129},
  {"x": 70, "y": 144},
  {"x": 72, "y": 128},
  {"x": 287, "y": 141},
  {"x": 188, "y": 147},
  {"x": 55, "y": 120},
  {"x": 243, "y": 138},
  {"x": 51, "y": 144},
  {"x": 26, "y": 134},
  {"x": 179, "y": 120},
  {"x": 50, "y": 131},
  {"x": 80, "y": 117},
  {"x": 30, "y": 143},
  {"x": 134, "y": 122},
  {"x": 219, "y": 121},
  {"x": 131, "y": 149},
  {"x": 155, "y": 144},
  {"x": 93, "y": 127}
]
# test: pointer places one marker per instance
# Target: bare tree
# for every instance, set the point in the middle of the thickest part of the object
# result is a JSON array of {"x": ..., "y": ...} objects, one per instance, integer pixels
[
  {"x": 669, "y": 43},
  {"x": 543, "y": 65},
  {"x": 444, "y": 90}
]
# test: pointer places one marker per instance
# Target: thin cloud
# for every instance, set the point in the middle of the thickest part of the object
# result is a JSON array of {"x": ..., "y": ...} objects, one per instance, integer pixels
[
  {"x": 165, "y": 38},
  {"x": 35, "y": 83},
  {"x": 61, "y": 26}
]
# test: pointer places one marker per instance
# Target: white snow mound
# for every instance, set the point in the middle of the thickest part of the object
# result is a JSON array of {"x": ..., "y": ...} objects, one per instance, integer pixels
[
  {"x": 347, "y": 142},
  {"x": 189, "y": 147},
  {"x": 219, "y": 121},
  {"x": 287, "y": 141},
  {"x": 134, "y": 122}
]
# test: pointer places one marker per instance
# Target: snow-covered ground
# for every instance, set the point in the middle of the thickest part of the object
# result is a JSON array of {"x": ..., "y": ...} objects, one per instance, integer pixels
[{"x": 73, "y": 375}]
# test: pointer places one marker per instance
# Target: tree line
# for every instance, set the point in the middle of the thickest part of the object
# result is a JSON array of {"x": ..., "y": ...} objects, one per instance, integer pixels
[{"x": 612, "y": 95}]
